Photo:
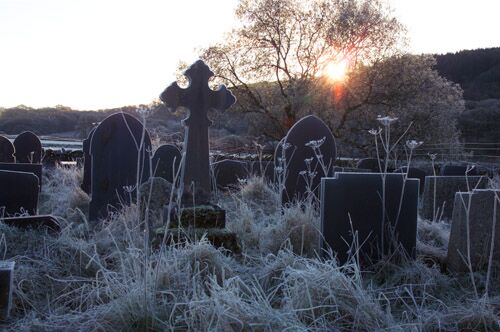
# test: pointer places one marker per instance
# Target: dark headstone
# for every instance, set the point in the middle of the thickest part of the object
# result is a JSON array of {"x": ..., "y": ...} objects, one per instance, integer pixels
[
  {"x": 482, "y": 231},
  {"x": 457, "y": 170},
  {"x": 6, "y": 150},
  {"x": 25, "y": 222},
  {"x": 293, "y": 159},
  {"x": 27, "y": 168},
  {"x": 166, "y": 162},
  {"x": 18, "y": 193},
  {"x": 6, "y": 286},
  {"x": 87, "y": 164},
  {"x": 28, "y": 148},
  {"x": 413, "y": 173},
  {"x": 371, "y": 164},
  {"x": 433, "y": 200},
  {"x": 227, "y": 172},
  {"x": 352, "y": 202},
  {"x": 198, "y": 98},
  {"x": 115, "y": 150}
]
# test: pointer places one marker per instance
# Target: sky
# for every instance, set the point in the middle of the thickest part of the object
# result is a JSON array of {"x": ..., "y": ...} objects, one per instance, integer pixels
[{"x": 96, "y": 54}]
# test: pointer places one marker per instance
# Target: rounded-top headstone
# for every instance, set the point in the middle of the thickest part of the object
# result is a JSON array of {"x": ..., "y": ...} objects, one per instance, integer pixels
[
  {"x": 307, "y": 132},
  {"x": 6, "y": 150},
  {"x": 166, "y": 162},
  {"x": 87, "y": 163},
  {"x": 114, "y": 150},
  {"x": 28, "y": 148},
  {"x": 371, "y": 164}
]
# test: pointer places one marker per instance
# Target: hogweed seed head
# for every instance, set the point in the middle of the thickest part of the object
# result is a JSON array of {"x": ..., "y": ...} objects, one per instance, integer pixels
[{"x": 386, "y": 120}]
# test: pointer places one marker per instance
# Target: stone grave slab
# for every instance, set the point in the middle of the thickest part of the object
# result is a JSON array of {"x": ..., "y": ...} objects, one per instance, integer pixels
[
  {"x": 414, "y": 173},
  {"x": 307, "y": 129},
  {"x": 166, "y": 162},
  {"x": 28, "y": 148},
  {"x": 456, "y": 170},
  {"x": 6, "y": 150},
  {"x": 87, "y": 164},
  {"x": 445, "y": 189},
  {"x": 198, "y": 98},
  {"x": 357, "y": 198},
  {"x": 26, "y": 168},
  {"x": 41, "y": 220},
  {"x": 6, "y": 287},
  {"x": 116, "y": 153},
  {"x": 227, "y": 173},
  {"x": 481, "y": 231},
  {"x": 18, "y": 193}
]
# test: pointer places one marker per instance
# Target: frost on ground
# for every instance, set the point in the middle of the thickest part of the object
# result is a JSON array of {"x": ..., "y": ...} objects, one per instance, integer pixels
[{"x": 104, "y": 277}]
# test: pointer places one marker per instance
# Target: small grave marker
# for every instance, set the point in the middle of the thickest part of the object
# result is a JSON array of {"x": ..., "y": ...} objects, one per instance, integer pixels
[
  {"x": 413, "y": 173},
  {"x": 480, "y": 230},
  {"x": 6, "y": 150},
  {"x": 227, "y": 172},
  {"x": 352, "y": 203},
  {"x": 457, "y": 170},
  {"x": 198, "y": 98},
  {"x": 18, "y": 193},
  {"x": 6, "y": 286},
  {"x": 297, "y": 156},
  {"x": 26, "y": 168},
  {"x": 28, "y": 148},
  {"x": 115, "y": 150},
  {"x": 440, "y": 191},
  {"x": 166, "y": 161}
]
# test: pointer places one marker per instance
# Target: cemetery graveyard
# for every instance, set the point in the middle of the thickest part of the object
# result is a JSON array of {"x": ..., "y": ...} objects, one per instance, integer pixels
[{"x": 140, "y": 235}]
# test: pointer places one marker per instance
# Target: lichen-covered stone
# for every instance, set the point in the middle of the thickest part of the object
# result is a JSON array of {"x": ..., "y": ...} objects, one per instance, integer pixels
[
  {"x": 201, "y": 216},
  {"x": 155, "y": 194},
  {"x": 217, "y": 237}
]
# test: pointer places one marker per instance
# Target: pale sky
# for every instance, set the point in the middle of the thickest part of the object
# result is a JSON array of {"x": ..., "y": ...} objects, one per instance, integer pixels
[{"x": 94, "y": 54}]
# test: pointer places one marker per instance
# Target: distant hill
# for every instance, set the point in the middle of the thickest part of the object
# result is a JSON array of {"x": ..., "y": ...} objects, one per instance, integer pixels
[{"x": 477, "y": 72}]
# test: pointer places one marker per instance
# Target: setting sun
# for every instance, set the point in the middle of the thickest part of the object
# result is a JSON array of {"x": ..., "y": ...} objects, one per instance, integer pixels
[{"x": 336, "y": 71}]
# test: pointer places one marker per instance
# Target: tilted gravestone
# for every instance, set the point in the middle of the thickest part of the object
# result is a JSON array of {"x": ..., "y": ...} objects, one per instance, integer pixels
[
  {"x": 116, "y": 152},
  {"x": 227, "y": 173},
  {"x": 25, "y": 222},
  {"x": 439, "y": 194},
  {"x": 198, "y": 98},
  {"x": 27, "y": 168},
  {"x": 6, "y": 150},
  {"x": 456, "y": 170},
  {"x": 351, "y": 203},
  {"x": 87, "y": 164},
  {"x": 298, "y": 160},
  {"x": 414, "y": 173},
  {"x": 6, "y": 286},
  {"x": 483, "y": 230},
  {"x": 18, "y": 193},
  {"x": 166, "y": 162},
  {"x": 28, "y": 148}
]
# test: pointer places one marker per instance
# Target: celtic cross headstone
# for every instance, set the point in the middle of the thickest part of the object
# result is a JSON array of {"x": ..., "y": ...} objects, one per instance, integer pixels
[{"x": 198, "y": 98}]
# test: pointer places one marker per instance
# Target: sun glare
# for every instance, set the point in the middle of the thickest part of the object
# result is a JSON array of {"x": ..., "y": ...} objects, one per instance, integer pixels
[{"x": 336, "y": 71}]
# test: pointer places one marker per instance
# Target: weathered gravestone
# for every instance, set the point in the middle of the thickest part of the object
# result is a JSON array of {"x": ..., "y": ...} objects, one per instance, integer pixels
[
  {"x": 26, "y": 168},
  {"x": 166, "y": 162},
  {"x": 457, "y": 170},
  {"x": 198, "y": 98},
  {"x": 28, "y": 148},
  {"x": 87, "y": 163},
  {"x": 117, "y": 151},
  {"x": 18, "y": 193},
  {"x": 227, "y": 173},
  {"x": 6, "y": 286},
  {"x": 413, "y": 173},
  {"x": 439, "y": 194},
  {"x": 477, "y": 232},
  {"x": 6, "y": 150},
  {"x": 351, "y": 203},
  {"x": 298, "y": 163}
]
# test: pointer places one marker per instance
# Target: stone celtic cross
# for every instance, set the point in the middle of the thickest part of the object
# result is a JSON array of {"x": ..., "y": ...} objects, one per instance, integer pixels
[{"x": 198, "y": 98}]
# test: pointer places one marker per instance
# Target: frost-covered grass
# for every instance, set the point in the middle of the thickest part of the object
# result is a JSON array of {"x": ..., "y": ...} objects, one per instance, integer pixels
[{"x": 104, "y": 277}]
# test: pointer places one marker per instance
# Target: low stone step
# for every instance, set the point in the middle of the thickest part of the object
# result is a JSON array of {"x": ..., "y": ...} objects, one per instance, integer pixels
[
  {"x": 202, "y": 216},
  {"x": 217, "y": 237}
]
